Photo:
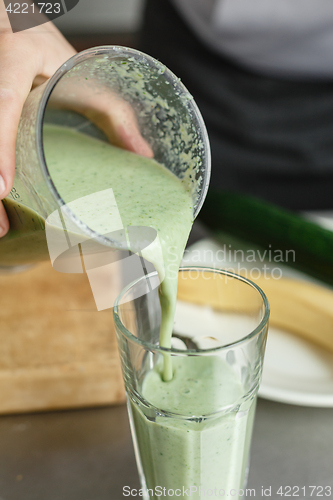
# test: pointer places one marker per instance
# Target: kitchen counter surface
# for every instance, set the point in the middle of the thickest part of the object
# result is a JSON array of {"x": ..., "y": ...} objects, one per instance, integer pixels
[{"x": 88, "y": 455}]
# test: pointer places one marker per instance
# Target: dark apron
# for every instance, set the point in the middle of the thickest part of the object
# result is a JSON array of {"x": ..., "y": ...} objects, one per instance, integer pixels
[{"x": 271, "y": 138}]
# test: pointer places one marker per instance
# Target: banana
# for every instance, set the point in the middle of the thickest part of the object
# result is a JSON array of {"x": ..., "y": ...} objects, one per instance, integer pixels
[{"x": 299, "y": 307}]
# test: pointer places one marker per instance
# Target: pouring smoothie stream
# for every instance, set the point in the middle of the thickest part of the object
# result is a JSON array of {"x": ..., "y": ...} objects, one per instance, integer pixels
[{"x": 146, "y": 194}]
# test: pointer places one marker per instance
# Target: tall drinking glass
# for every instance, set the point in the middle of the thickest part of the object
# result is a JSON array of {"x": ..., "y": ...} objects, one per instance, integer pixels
[{"x": 192, "y": 434}]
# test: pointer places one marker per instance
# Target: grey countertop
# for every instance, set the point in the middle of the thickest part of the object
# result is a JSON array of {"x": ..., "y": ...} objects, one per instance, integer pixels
[{"x": 88, "y": 455}]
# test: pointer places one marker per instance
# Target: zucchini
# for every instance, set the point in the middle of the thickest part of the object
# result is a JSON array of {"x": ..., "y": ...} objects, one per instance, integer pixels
[{"x": 265, "y": 224}]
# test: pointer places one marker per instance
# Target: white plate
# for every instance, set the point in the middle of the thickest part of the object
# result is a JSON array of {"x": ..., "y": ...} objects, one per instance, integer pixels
[{"x": 296, "y": 371}]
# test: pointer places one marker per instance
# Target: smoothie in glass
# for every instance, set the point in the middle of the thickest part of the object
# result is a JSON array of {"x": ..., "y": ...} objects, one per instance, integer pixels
[
  {"x": 192, "y": 433},
  {"x": 191, "y": 453}
]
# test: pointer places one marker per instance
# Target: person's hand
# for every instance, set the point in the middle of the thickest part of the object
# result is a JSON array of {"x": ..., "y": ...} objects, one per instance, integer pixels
[
  {"x": 106, "y": 109},
  {"x": 26, "y": 58}
]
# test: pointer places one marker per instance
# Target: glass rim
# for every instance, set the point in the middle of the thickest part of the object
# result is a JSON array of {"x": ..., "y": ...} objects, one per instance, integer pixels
[
  {"x": 193, "y": 352},
  {"x": 117, "y": 51}
]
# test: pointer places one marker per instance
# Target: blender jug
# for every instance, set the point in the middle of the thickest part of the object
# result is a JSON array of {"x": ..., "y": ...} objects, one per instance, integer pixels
[{"x": 167, "y": 117}]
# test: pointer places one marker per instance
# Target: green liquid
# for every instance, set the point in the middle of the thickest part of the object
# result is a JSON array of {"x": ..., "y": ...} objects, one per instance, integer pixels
[
  {"x": 146, "y": 194},
  {"x": 175, "y": 453},
  {"x": 178, "y": 453},
  {"x": 25, "y": 243}
]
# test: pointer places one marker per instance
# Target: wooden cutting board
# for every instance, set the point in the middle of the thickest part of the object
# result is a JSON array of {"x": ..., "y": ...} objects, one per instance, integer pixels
[{"x": 57, "y": 351}]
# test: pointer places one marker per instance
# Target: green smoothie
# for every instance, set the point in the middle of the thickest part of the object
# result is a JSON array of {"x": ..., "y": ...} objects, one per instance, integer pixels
[
  {"x": 209, "y": 452},
  {"x": 145, "y": 192},
  {"x": 25, "y": 243}
]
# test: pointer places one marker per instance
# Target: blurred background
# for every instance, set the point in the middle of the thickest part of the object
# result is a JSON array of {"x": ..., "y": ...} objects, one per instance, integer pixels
[{"x": 102, "y": 22}]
